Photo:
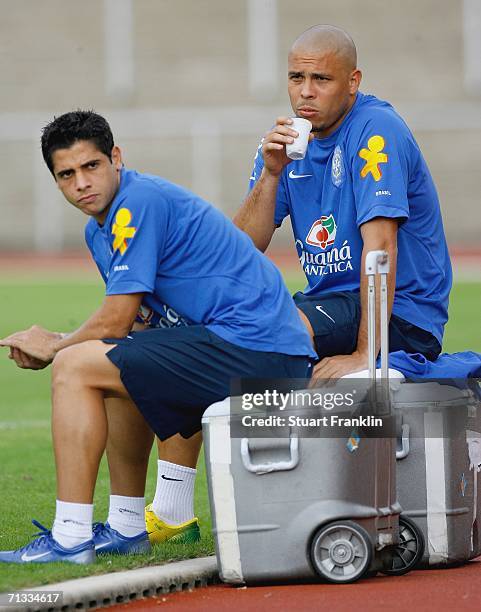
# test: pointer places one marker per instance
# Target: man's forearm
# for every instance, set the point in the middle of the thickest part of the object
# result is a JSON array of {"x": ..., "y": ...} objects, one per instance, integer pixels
[
  {"x": 98, "y": 326},
  {"x": 256, "y": 215}
]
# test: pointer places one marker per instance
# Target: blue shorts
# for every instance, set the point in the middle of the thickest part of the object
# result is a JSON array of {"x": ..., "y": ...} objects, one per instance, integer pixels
[
  {"x": 174, "y": 374},
  {"x": 335, "y": 318}
]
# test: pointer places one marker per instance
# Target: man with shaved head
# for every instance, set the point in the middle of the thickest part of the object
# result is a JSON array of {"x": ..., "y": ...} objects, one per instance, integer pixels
[{"x": 363, "y": 185}]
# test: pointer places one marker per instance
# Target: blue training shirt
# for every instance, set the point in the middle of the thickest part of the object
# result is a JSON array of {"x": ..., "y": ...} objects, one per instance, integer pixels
[
  {"x": 371, "y": 166},
  {"x": 162, "y": 240}
]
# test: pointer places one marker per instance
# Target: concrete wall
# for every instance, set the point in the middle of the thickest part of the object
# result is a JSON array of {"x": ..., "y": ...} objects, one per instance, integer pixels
[{"x": 182, "y": 104}]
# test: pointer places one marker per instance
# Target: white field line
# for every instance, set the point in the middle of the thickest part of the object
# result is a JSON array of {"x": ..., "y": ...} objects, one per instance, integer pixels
[{"x": 33, "y": 424}]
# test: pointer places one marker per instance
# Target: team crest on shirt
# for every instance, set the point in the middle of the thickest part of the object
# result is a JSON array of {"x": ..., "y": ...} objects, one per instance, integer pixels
[
  {"x": 323, "y": 232},
  {"x": 373, "y": 156},
  {"x": 122, "y": 231},
  {"x": 337, "y": 168}
]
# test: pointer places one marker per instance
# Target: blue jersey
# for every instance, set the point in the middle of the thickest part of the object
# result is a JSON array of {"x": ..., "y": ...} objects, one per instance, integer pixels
[
  {"x": 162, "y": 240},
  {"x": 371, "y": 166}
]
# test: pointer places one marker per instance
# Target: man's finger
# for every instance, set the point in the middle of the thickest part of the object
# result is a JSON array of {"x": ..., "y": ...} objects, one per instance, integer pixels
[
  {"x": 281, "y": 132},
  {"x": 283, "y": 120},
  {"x": 273, "y": 147},
  {"x": 10, "y": 340},
  {"x": 20, "y": 358},
  {"x": 324, "y": 373},
  {"x": 279, "y": 138},
  {"x": 318, "y": 375}
]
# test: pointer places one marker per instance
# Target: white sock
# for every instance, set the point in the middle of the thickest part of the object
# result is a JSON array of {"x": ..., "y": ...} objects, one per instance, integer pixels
[
  {"x": 73, "y": 523},
  {"x": 174, "y": 495},
  {"x": 127, "y": 515}
]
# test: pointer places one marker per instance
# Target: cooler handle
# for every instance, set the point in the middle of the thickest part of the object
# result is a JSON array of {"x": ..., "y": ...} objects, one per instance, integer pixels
[
  {"x": 377, "y": 262},
  {"x": 404, "y": 452},
  {"x": 274, "y": 466}
]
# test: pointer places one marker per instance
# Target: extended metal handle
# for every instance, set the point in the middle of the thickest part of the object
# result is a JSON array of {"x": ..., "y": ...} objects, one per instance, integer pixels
[
  {"x": 377, "y": 262},
  {"x": 404, "y": 452},
  {"x": 274, "y": 466}
]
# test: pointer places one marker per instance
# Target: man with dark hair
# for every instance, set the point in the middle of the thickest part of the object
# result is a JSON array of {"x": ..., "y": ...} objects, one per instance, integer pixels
[
  {"x": 171, "y": 514},
  {"x": 155, "y": 243},
  {"x": 363, "y": 185}
]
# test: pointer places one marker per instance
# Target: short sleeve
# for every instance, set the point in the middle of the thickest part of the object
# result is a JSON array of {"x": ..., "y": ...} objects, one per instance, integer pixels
[
  {"x": 282, "y": 206},
  {"x": 380, "y": 170},
  {"x": 138, "y": 232},
  {"x": 90, "y": 234}
]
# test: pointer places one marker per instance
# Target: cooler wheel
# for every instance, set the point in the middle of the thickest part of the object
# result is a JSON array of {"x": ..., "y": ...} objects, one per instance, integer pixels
[
  {"x": 341, "y": 551},
  {"x": 407, "y": 554}
]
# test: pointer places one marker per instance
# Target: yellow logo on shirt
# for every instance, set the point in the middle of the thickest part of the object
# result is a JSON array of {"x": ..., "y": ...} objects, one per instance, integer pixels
[
  {"x": 373, "y": 156},
  {"x": 121, "y": 231}
]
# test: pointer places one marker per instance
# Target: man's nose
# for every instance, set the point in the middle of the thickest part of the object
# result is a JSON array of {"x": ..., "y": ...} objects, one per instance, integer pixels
[
  {"x": 307, "y": 90},
  {"x": 81, "y": 181}
]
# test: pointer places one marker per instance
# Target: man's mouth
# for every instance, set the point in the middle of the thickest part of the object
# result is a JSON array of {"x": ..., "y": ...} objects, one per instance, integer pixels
[
  {"x": 88, "y": 199},
  {"x": 307, "y": 111}
]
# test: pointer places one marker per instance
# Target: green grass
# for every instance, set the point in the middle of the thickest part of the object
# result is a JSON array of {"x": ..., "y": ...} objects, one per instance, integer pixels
[{"x": 27, "y": 478}]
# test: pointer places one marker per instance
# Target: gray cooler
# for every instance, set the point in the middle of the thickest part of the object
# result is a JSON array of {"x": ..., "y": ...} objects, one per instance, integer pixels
[
  {"x": 438, "y": 466},
  {"x": 292, "y": 508}
]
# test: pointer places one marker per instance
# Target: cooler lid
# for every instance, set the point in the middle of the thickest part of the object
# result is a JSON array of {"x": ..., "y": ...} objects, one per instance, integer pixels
[{"x": 217, "y": 410}]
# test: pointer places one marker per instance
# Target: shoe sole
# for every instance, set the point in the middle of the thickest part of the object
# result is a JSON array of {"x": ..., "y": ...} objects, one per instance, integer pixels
[
  {"x": 178, "y": 538},
  {"x": 137, "y": 549}
]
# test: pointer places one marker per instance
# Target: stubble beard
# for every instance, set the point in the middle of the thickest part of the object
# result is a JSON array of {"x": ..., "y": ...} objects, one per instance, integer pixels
[{"x": 322, "y": 128}]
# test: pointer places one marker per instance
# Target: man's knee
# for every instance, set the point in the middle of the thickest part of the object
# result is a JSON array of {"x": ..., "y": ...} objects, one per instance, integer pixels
[{"x": 74, "y": 364}]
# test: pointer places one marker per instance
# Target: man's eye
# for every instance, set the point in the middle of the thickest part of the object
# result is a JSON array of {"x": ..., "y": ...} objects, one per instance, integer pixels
[{"x": 93, "y": 164}]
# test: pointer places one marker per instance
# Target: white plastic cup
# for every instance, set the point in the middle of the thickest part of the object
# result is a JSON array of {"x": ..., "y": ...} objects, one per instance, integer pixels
[{"x": 297, "y": 150}]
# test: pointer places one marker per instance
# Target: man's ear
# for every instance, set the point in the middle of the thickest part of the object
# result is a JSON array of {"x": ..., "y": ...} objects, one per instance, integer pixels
[
  {"x": 355, "y": 81},
  {"x": 117, "y": 157}
]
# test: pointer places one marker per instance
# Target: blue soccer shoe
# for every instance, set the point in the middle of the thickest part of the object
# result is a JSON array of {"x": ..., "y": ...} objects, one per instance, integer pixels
[
  {"x": 44, "y": 549},
  {"x": 109, "y": 540}
]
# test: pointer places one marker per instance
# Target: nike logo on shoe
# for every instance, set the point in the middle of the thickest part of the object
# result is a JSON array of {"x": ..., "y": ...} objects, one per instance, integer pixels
[
  {"x": 167, "y": 478},
  {"x": 321, "y": 309},
  {"x": 26, "y": 557},
  {"x": 294, "y": 176}
]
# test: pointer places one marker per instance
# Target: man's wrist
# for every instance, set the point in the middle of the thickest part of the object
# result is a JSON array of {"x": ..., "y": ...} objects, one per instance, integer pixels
[
  {"x": 361, "y": 353},
  {"x": 58, "y": 344},
  {"x": 362, "y": 350},
  {"x": 271, "y": 175}
]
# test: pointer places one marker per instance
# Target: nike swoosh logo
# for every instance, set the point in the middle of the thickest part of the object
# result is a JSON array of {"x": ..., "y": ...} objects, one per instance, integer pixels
[
  {"x": 294, "y": 176},
  {"x": 321, "y": 309},
  {"x": 167, "y": 478},
  {"x": 26, "y": 557},
  {"x": 99, "y": 546}
]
